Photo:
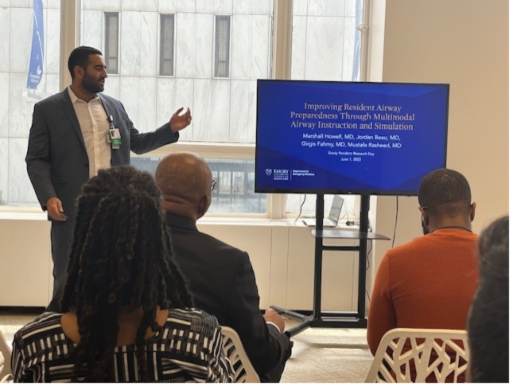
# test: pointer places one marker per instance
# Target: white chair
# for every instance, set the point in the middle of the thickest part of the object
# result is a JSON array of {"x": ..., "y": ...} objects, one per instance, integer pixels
[
  {"x": 234, "y": 350},
  {"x": 436, "y": 354},
  {"x": 5, "y": 359}
]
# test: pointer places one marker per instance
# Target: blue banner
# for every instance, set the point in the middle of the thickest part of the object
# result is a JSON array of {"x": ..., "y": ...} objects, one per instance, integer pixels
[{"x": 35, "y": 70}]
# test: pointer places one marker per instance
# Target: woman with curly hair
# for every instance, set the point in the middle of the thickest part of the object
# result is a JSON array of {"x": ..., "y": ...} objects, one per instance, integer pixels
[{"x": 128, "y": 314}]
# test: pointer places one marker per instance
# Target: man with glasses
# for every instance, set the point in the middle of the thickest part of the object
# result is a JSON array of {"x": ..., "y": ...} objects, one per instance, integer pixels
[{"x": 221, "y": 277}]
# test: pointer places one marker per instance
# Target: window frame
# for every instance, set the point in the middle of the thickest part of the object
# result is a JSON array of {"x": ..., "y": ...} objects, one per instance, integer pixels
[
  {"x": 163, "y": 41},
  {"x": 280, "y": 63},
  {"x": 108, "y": 57},
  {"x": 217, "y": 48}
]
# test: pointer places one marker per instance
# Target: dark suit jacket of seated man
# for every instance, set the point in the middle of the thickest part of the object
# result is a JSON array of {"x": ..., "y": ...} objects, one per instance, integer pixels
[{"x": 221, "y": 276}]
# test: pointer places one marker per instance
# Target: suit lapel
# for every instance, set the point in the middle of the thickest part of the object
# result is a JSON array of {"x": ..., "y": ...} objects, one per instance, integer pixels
[{"x": 67, "y": 105}]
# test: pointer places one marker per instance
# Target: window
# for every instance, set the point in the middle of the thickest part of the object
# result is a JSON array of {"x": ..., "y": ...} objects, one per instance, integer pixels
[
  {"x": 166, "y": 46},
  {"x": 204, "y": 56},
  {"x": 234, "y": 190},
  {"x": 222, "y": 46},
  {"x": 112, "y": 41},
  {"x": 319, "y": 27}
]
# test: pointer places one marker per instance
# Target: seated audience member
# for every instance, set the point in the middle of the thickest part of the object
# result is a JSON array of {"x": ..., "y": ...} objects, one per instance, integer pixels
[
  {"x": 127, "y": 311},
  {"x": 430, "y": 281},
  {"x": 221, "y": 277},
  {"x": 488, "y": 319}
]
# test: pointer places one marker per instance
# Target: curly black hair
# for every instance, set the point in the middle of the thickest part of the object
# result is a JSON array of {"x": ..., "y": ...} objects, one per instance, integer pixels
[{"x": 121, "y": 257}]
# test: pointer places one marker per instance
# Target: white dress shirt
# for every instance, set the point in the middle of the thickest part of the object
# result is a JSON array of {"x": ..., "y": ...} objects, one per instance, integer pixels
[{"x": 94, "y": 128}]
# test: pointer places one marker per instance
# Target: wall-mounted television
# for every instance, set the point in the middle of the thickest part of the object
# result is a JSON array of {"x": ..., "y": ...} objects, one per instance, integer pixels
[{"x": 326, "y": 137}]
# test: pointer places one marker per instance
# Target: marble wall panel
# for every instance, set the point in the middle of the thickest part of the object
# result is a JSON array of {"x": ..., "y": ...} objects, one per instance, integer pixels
[
  {"x": 92, "y": 29},
  {"x": 52, "y": 43},
  {"x": 299, "y": 7},
  {"x": 262, "y": 7},
  {"x": 240, "y": 56},
  {"x": 4, "y": 41},
  {"x": 149, "y": 49},
  {"x": 223, "y": 7},
  {"x": 243, "y": 101},
  {"x": 21, "y": 3},
  {"x": 20, "y": 189},
  {"x": 326, "y": 7},
  {"x": 324, "y": 48},
  {"x": 5, "y": 3},
  {"x": 20, "y": 38},
  {"x": 242, "y": 7},
  {"x": 140, "y": 5},
  {"x": 4, "y": 170},
  {"x": 204, "y": 45},
  {"x": 298, "y": 47},
  {"x": 185, "y": 5},
  {"x": 130, "y": 44},
  {"x": 53, "y": 4},
  {"x": 147, "y": 92},
  {"x": 212, "y": 107},
  {"x": 92, "y": 4},
  {"x": 204, "y": 6},
  {"x": 165, "y": 99},
  {"x": 184, "y": 97},
  {"x": 128, "y": 95},
  {"x": 139, "y": 98},
  {"x": 52, "y": 85},
  {"x": 112, "y": 86},
  {"x": 110, "y": 5},
  {"x": 4, "y": 104},
  {"x": 167, "y": 6},
  {"x": 185, "y": 50},
  {"x": 260, "y": 44},
  {"x": 348, "y": 48},
  {"x": 350, "y": 7},
  {"x": 20, "y": 110}
]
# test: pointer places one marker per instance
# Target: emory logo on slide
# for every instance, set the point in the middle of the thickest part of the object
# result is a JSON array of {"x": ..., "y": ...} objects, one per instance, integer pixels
[{"x": 269, "y": 171}]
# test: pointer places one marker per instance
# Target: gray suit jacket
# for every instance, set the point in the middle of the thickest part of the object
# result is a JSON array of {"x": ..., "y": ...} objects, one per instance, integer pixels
[{"x": 57, "y": 161}]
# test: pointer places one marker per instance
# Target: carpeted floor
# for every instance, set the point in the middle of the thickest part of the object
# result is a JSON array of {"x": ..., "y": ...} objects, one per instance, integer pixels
[{"x": 320, "y": 355}]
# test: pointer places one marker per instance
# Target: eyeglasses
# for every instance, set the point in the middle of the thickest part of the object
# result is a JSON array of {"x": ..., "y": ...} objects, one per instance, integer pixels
[{"x": 213, "y": 184}]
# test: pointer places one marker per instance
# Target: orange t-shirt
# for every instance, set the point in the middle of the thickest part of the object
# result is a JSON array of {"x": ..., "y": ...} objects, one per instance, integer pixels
[{"x": 426, "y": 283}]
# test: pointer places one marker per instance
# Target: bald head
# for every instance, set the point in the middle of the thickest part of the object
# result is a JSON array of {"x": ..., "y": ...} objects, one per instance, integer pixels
[{"x": 184, "y": 179}]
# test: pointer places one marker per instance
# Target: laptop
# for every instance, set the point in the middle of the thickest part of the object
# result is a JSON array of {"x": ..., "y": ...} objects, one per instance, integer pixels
[{"x": 334, "y": 214}]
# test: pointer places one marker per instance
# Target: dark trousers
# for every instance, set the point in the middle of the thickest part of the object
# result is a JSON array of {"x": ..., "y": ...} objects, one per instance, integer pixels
[
  {"x": 275, "y": 374},
  {"x": 61, "y": 241}
]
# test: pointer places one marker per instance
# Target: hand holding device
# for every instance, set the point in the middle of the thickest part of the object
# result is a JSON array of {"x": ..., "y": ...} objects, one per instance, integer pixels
[{"x": 55, "y": 209}]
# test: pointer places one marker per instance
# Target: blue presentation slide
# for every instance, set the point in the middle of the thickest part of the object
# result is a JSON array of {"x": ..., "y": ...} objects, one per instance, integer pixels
[{"x": 332, "y": 137}]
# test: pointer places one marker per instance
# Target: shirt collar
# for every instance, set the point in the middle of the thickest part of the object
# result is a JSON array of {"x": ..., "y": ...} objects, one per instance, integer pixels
[{"x": 75, "y": 99}]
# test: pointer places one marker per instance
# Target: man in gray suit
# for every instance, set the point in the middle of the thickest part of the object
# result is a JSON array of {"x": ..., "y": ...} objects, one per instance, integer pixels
[{"x": 74, "y": 134}]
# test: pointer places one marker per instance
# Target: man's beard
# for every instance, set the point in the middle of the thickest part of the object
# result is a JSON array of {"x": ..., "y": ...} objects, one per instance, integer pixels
[
  {"x": 91, "y": 85},
  {"x": 424, "y": 228}
]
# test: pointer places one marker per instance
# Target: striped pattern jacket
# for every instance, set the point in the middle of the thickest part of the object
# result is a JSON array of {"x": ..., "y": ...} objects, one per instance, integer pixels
[{"x": 188, "y": 348}]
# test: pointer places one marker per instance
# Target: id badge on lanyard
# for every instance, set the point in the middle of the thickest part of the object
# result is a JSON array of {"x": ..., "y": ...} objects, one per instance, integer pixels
[{"x": 113, "y": 135}]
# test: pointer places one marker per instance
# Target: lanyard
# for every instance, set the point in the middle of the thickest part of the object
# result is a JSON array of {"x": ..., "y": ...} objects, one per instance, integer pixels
[{"x": 113, "y": 135}]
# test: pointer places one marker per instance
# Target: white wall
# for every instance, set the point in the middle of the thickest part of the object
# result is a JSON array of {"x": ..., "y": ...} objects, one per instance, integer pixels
[
  {"x": 463, "y": 43},
  {"x": 282, "y": 255}
]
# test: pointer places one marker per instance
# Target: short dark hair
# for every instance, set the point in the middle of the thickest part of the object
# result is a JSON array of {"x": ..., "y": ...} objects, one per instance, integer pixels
[
  {"x": 445, "y": 192},
  {"x": 80, "y": 56},
  {"x": 488, "y": 319}
]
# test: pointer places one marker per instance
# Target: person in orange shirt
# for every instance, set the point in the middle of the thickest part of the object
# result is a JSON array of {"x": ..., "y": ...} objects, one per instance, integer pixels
[{"x": 430, "y": 281}]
